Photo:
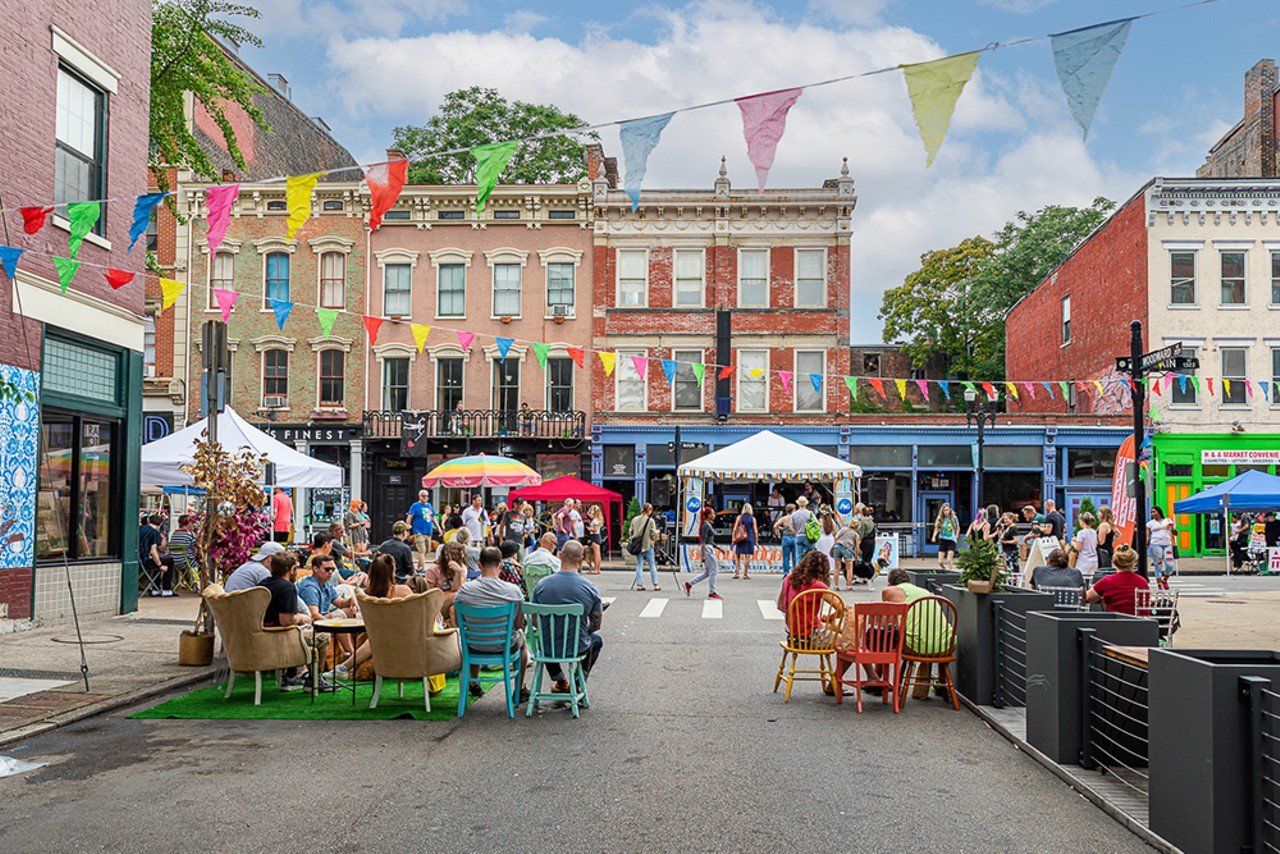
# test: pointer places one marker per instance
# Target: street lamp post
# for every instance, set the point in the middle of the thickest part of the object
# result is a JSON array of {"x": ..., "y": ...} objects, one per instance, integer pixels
[{"x": 975, "y": 410}]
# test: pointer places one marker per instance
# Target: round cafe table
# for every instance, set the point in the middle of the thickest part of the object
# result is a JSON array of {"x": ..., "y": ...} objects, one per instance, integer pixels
[{"x": 336, "y": 626}]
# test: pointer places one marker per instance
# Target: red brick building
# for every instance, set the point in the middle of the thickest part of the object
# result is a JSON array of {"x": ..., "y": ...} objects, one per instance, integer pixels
[{"x": 1248, "y": 150}]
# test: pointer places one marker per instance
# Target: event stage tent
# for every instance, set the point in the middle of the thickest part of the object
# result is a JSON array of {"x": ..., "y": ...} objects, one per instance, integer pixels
[
  {"x": 769, "y": 457},
  {"x": 560, "y": 488}
]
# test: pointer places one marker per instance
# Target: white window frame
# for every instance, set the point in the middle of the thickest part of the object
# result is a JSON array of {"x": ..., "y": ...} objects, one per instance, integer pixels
[
  {"x": 676, "y": 253},
  {"x": 561, "y": 354},
  {"x": 644, "y": 301},
  {"x": 149, "y": 340},
  {"x": 346, "y": 364},
  {"x": 682, "y": 358},
  {"x": 439, "y": 353},
  {"x": 385, "y": 358},
  {"x": 798, "y": 376},
  {"x": 1189, "y": 348},
  {"x": 795, "y": 296},
  {"x": 768, "y": 266},
  {"x": 559, "y": 255},
  {"x": 623, "y": 363},
  {"x": 743, "y": 374},
  {"x": 1274, "y": 353},
  {"x": 1232, "y": 247},
  {"x": 262, "y": 372},
  {"x": 83, "y": 62},
  {"x": 325, "y": 245},
  {"x": 211, "y": 306},
  {"x": 386, "y": 270},
  {"x": 387, "y": 257},
  {"x": 505, "y": 255},
  {"x": 264, "y": 247},
  {"x": 1066, "y": 320},
  {"x": 450, "y": 255},
  {"x": 1237, "y": 380},
  {"x": 1192, "y": 248}
]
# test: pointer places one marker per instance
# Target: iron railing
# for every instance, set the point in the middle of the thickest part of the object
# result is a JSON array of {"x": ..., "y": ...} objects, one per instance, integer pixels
[
  {"x": 1264, "y": 776},
  {"x": 1114, "y": 737},
  {"x": 541, "y": 424},
  {"x": 1011, "y": 655}
]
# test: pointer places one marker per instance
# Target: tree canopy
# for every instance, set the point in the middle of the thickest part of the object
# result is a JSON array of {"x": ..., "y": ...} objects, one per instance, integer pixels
[{"x": 475, "y": 116}]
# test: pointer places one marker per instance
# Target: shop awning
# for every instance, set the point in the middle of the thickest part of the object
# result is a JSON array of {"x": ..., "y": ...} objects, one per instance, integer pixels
[{"x": 769, "y": 457}]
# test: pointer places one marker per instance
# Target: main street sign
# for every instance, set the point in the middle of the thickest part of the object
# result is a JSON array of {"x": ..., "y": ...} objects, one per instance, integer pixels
[{"x": 1156, "y": 358}]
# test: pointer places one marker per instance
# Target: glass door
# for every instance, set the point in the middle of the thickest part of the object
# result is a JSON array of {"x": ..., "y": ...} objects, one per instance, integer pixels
[{"x": 928, "y": 505}]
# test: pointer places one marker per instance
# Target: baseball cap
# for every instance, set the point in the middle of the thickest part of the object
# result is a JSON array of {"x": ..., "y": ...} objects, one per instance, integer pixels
[{"x": 266, "y": 550}]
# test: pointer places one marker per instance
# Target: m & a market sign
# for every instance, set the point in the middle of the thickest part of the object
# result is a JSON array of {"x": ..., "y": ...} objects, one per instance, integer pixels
[{"x": 1240, "y": 457}]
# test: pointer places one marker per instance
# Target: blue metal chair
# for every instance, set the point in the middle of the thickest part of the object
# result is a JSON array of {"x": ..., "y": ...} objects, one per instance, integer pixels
[
  {"x": 556, "y": 642},
  {"x": 492, "y": 627}
]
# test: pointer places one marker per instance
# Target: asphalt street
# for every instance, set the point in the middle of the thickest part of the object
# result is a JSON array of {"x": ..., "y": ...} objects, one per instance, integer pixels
[{"x": 684, "y": 748}]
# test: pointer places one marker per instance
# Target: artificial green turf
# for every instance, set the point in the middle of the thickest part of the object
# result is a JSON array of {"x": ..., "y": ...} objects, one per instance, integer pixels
[{"x": 207, "y": 703}]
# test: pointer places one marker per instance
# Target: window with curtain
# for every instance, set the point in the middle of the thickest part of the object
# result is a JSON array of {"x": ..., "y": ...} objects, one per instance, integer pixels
[
  {"x": 333, "y": 372},
  {"x": 686, "y": 392},
  {"x": 275, "y": 375},
  {"x": 811, "y": 278},
  {"x": 506, "y": 290},
  {"x": 451, "y": 290},
  {"x": 753, "y": 278},
  {"x": 1184, "y": 392},
  {"x": 395, "y": 384},
  {"x": 1066, "y": 320},
  {"x": 807, "y": 398},
  {"x": 397, "y": 286},
  {"x": 448, "y": 383},
  {"x": 560, "y": 284},
  {"x": 1275, "y": 278},
  {"x": 1234, "y": 369},
  {"x": 629, "y": 386},
  {"x": 277, "y": 276},
  {"x": 1182, "y": 278},
  {"x": 633, "y": 278},
  {"x": 753, "y": 380},
  {"x": 1233, "y": 278},
  {"x": 149, "y": 344},
  {"x": 80, "y": 150},
  {"x": 333, "y": 280},
  {"x": 689, "y": 276},
  {"x": 222, "y": 275},
  {"x": 560, "y": 384}
]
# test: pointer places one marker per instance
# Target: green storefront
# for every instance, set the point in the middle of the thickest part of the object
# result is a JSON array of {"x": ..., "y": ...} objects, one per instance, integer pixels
[{"x": 1186, "y": 463}]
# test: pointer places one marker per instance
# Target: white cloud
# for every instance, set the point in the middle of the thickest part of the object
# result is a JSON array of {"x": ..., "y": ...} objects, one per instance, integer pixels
[
  {"x": 860, "y": 13},
  {"x": 1018, "y": 7},
  {"x": 524, "y": 21},
  {"x": 289, "y": 19}
]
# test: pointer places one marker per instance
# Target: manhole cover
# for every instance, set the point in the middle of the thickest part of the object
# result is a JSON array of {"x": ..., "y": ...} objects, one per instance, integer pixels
[{"x": 89, "y": 639}]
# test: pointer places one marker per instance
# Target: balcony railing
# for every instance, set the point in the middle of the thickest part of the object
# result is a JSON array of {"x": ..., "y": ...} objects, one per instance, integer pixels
[{"x": 476, "y": 424}]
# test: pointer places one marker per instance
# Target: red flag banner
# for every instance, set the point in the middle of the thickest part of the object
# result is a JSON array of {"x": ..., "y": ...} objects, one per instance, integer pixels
[
  {"x": 577, "y": 354},
  {"x": 117, "y": 279},
  {"x": 385, "y": 181},
  {"x": 371, "y": 326},
  {"x": 33, "y": 218}
]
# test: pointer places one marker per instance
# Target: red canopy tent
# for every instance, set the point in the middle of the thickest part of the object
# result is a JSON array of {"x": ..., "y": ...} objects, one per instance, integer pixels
[{"x": 560, "y": 488}]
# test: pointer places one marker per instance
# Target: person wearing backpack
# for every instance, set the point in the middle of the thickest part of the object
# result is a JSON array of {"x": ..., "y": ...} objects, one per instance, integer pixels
[
  {"x": 643, "y": 533},
  {"x": 805, "y": 525},
  {"x": 744, "y": 541}
]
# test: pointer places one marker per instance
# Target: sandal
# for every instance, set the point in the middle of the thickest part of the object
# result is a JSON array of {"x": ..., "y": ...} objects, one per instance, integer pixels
[
  {"x": 639, "y": 587},
  {"x": 746, "y": 578},
  {"x": 656, "y": 588}
]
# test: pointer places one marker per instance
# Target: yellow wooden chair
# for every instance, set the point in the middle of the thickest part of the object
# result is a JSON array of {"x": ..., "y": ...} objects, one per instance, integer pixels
[{"x": 819, "y": 617}]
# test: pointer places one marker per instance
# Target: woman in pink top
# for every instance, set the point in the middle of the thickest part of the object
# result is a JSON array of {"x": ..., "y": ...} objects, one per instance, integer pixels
[{"x": 809, "y": 574}]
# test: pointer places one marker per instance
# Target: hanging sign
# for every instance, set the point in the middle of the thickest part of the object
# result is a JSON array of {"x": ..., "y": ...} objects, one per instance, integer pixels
[{"x": 1239, "y": 457}]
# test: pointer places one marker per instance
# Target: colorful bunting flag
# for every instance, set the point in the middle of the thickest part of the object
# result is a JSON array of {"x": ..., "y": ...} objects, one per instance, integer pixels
[
  {"x": 1182, "y": 383},
  {"x": 968, "y": 386},
  {"x": 465, "y": 339},
  {"x": 668, "y": 369},
  {"x": 934, "y": 87},
  {"x": 33, "y": 219},
  {"x": 1098, "y": 385},
  {"x": 9, "y": 260},
  {"x": 385, "y": 181},
  {"x": 902, "y": 389},
  {"x": 297, "y": 197},
  {"x": 786, "y": 376},
  {"x": 1048, "y": 388},
  {"x": 1155, "y": 416},
  {"x": 639, "y": 137},
  {"x": 1012, "y": 390},
  {"x": 578, "y": 355},
  {"x": 170, "y": 290},
  {"x": 1031, "y": 390},
  {"x": 504, "y": 347},
  {"x": 1195, "y": 382},
  {"x": 945, "y": 386},
  {"x": 764, "y": 119},
  {"x": 608, "y": 360},
  {"x": 878, "y": 385},
  {"x": 1084, "y": 59},
  {"x": 923, "y": 385},
  {"x": 1226, "y": 388},
  {"x": 420, "y": 332},
  {"x": 1066, "y": 393},
  {"x": 218, "y": 201},
  {"x": 815, "y": 380},
  {"x": 641, "y": 365},
  {"x": 755, "y": 373},
  {"x": 282, "y": 309},
  {"x": 142, "y": 208},
  {"x": 117, "y": 279},
  {"x": 371, "y": 326},
  {"x": 1208, "y": 381},
  {"x": 326, "y": 316},
  {"x": 699, "y": 372},
  {"x": 1248, "y": 388},
  {"x": 540, "y": 350},
  {"x": 491, "y": 159},
  {"x": 226, "y": 301},
  {"x": 66, "y": 271},
  {"x": 82, "y": 216},
  {"x": 726, "y": 372},
  {"x": 1265, "y": 386},
  {"x": 990, "y": 390},
  {"x": 852, "y": 383}
]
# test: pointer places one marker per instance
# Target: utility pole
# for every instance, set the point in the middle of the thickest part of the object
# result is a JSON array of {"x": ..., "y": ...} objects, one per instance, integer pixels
[{"x": 217, "y": 358}]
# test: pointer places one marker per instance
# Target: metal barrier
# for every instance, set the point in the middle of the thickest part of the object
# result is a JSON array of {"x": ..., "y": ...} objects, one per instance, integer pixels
[
  {"x": 1264, "y": 782},
  {"x": 1011, "y": 655},
  {"x": 1114, "y": 736}
]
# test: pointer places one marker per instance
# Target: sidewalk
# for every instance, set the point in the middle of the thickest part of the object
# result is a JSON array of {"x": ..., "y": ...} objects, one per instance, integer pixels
[{"x": 130, "y": 657}]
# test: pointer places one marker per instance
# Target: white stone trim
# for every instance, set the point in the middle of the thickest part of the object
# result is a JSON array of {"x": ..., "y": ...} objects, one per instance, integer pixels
[
  {"x": 330, "y": 243},
  {"x": 448, "y": 351},
  {"x": 1233, "y": 244},
  {"x": 82, "y": 60},
  {"x": 1182, "y": 245},
  {"x": 1185, "y": 340},
  {"x": 1234, "y": 340},
  {"x": 394, "y": 350},
  {"x": 229, "y": 244},
  {"x": 1273, "y": 245},
  {"x": 273, "y": 342},
  {"x": 76, "y": 311},
  {"x": 559, "y": 255},
  {"x": 450, "y": 255},
  {"x": 331, "y": 342},
  {"x": 396, "y": 255},
  {"x": 275, "y": 244},
  {"x": 506, "y": 255},
  {"x": 518, "y": 351}
]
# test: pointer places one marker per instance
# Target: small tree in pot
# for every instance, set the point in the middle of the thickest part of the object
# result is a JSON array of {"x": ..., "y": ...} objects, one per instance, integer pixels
[{"x": 980, "y": 567}]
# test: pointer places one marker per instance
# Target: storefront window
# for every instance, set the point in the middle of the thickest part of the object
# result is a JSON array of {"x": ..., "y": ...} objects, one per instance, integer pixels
[
  {"x": 1014, "y": 457},
  {"x": 933, "y": 456},
  {"x": 1011, "y": 491},
  {"x": 1179, "y": 470},
  {"x": 619, "y": 460},
  {"x": 660, "y": 456},
  {"x": 881, "y": 456},
  {"x": 1215, "y": 471},
  {"x": 77, "y": 495},
  {"x": 1091, "y": 463},
  {"x": 889, "y": 494}
]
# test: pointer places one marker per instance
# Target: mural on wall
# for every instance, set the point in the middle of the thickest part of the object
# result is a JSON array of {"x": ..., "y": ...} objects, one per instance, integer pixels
[
  {"x": 1115, "y": 397},
  {"x": 19, "y": 447}
]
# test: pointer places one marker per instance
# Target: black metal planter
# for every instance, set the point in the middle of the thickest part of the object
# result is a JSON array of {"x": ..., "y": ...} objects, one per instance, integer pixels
[{"x": 976, "y": 675}]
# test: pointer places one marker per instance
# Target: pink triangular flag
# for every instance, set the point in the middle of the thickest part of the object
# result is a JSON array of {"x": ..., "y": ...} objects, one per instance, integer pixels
[
  {"x": 465, "y": 339},
  {"x": 218, "y": 200},
  {"x": 786, "y": 380},
  {"x": 1031, "y": 389},
  {"x": 923, "y": 385},
  {"x": 226, "y": 301},
  {"x": 764, "y": 118},
  {"x": 641, "y": 364}
]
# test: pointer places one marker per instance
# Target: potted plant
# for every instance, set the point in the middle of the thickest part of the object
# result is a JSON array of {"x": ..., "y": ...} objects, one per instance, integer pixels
[{"x": 980, "y": 567}]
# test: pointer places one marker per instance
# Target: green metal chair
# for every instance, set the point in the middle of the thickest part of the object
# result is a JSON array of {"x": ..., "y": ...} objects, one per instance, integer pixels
[{"x": 556, "y": 642}]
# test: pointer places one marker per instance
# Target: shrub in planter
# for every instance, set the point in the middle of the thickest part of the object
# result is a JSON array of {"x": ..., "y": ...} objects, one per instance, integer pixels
[{"x": 980, "y": 567}]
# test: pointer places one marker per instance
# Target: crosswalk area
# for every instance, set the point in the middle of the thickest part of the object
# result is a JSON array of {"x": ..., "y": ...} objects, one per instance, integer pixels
[
  {"x": 1196, "y": 589},
  {"x": 736, "y": 609}
]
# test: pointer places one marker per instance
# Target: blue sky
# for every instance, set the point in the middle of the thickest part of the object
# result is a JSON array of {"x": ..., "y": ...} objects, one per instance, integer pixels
[{"x": 367, "y": 66}]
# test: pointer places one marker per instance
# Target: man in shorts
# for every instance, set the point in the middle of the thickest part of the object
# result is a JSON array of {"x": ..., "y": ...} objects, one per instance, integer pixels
[{"x": 421, "y": 519}]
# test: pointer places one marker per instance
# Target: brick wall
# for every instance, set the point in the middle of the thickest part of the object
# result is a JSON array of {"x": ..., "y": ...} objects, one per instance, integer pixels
[
  {"x": 1249, "y": 149},
  {"x": 1106, "y": 278},
  {"x": 15, "y": 591}
]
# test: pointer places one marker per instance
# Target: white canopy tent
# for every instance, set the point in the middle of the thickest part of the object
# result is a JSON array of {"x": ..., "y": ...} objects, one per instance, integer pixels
[
  {"x": 163, "y": 459},
  {"x": 769, "y": 457}
]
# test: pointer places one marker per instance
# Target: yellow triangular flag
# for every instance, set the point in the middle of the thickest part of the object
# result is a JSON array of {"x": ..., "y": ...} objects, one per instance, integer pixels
[
  {"x": 420, "y": 333},
  {"x": 902, "y": 388},
  {"x": 1226, "y": 389},
  {"x": 934, "y": 88},
  {"x": 1098, "y": 385},
  {"x": 297, "y": 195},
  {"x": 756, "y": 373},
  {"x": 171, "y": 289},
  {"x": 1013, "y": 390},
  {"x": 608, "y": 360}
]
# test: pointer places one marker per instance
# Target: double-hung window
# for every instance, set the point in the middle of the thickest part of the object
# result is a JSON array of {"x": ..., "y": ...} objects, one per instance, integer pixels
[
  {"x": 1233, "y": 292},
  {"x": 1066, "y": 320},
  {"x": 448, "y": 384},
  {"x": 1275, "y": 375},
  {"x": 1184, "y": 390},
  {"x": 451, "y": 290},
  {"x": 333, "y": 376},
  {"x": 811, "y": 367},
  {"x": 633, "y": 278},
  {"x": 397, "y": 290},
  {"x": 277, "y": 273},
  {"x": 689, "y": 270},
  {"x": 1182, "y": 278},
  {"x": 395, "y": 384},
  {"x": 811, "y": 278},
  {"x": 222, "y": 275},
  {"x": 275, "y": 377},
  {"x": 753, "y": 380},
  {"x": 1275, "y": 279},
  {"x": 560, "y": 384},
  {"x": 506, "y": 290},
  {"x": 80, "y": 147},
  {"x": 149, "y": 344},
  {"x": 753, "y": 278},
  {"x": 686, "y": 390},
  {"x": 629, "y": 386},
  {"x": 560, "y": 286},
  {"x": 1234, "y": 371},
  {"x": 506, "y": 384},
  {"x": 333, "y": 280}
]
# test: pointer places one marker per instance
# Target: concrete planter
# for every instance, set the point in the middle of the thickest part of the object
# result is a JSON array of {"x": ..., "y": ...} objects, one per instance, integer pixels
[
  {"x": 932, "y": 579},
  {"x": 1054, "y": 677},
  {"x": 1199, "y": 757},
  {"x": 975, "y": 635}
]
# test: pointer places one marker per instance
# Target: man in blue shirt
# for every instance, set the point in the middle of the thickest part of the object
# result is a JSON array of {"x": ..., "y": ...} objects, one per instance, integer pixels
[
  {"x": 421, "y": 519},
  {"x": 318, "y": 592},
  {"x": 568, "y": 587}
]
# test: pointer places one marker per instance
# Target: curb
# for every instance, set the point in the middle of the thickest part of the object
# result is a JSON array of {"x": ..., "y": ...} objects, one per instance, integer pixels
[{"x": 110, "y": 704}]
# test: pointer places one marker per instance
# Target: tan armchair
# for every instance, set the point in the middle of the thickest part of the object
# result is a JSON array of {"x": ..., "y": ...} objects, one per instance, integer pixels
[
  {"x": 252, "y": 648},
  {"x": 405, "y": 642}
]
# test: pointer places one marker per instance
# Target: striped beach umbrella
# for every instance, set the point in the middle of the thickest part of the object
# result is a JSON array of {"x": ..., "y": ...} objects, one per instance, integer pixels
[{"x": 482, "y": 470}]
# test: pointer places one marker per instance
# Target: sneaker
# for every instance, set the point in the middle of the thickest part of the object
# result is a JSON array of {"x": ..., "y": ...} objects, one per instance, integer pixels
[
  {"x": 291, "y": 683},
  {"x": 339, "y": 672},
  {"x": 326, "y": 686},
  {"x": 640, "y": 587},
  {"x": 561, "y": 687},
  {"x": 524, "y": 696},
  {"x": 166, "y": 593},
  {"x": 475, "y": 690},
  {"x": 153, "y": 592},
  {"x": 688, "y": 589},
  {"x": 716, "y": 596}
]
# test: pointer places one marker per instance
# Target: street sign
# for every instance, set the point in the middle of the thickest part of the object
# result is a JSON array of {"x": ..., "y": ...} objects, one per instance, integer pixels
[
  {"x": 1156, "y": 357},
  {"x": 1124, "y": 364},
  {"x": 1186, "y": 363}
]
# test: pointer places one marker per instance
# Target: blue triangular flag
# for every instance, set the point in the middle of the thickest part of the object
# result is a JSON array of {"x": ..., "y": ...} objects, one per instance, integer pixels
[
  {"x": 639, "y": 137},
  {"x": 504, "y": 346},
  {"x": 1266, "y": 389},
  {"x": 945, "y": 385},
  {"x": 1048, "y": 388},
  {"x": 142, "y": 215},
  {"x": 669, "y": 368},
  {"x": 9, "y": 259},
  {"x": 816, "y": 380},
  {"x": 1182, "y": 383},
  {"x": 281, "y": 307},
  {"x": 1084, "y": 59}
]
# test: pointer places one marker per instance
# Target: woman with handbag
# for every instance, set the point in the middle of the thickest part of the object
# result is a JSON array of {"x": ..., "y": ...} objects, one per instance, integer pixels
[
  {"x": 707, "y": 546},
  {"x": 744, "y": 541},
  {"x": 643, "y": 534}
]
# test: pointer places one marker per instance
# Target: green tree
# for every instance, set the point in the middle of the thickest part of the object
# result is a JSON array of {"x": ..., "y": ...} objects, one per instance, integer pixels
[
  {"x": 475, "y": 116},
  {"x": 1086, "y": 506},
  {"x": 186, "y": 57}
]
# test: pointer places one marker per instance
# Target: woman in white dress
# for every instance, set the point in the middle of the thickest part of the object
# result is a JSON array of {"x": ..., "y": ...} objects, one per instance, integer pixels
[{"x": 1086, "y": 547}]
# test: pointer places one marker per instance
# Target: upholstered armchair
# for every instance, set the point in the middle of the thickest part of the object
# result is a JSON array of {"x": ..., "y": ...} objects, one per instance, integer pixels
[
  {"x": 405, "y": 642},
  {"x": 252, "y": 648}
]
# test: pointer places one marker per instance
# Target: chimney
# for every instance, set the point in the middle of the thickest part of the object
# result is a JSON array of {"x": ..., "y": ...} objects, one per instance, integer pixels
[
  {"x": 1259, "y": 106},
  {"x": 281, "y": 84},
  {"x": 595, "y": 160},
  {"x": 394, "y": 154},
  {"x": 611, "y": 172}
]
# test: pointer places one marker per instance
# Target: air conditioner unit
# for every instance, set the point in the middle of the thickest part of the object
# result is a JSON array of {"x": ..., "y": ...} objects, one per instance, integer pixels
[
  {"x": 562, "y": 311},
  {"x": 274, "y": 401}
]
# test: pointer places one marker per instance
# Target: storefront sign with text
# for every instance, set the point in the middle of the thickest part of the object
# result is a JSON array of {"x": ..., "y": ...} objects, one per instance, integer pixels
[{"x": 1240, "y": 457}]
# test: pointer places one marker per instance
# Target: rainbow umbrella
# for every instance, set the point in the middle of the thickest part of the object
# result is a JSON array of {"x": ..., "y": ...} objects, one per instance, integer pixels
[{"x": 482, "y": 470}]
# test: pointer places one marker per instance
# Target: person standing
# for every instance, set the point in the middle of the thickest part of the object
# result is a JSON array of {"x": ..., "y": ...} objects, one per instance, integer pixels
[
  {"x": 1085, "y": 545},
  {"x": 643, "y": 527},
  {"x": 945, "y": 534},
  {"x": 786, "y": 534},
  {"x": 473, "y": 519},
  {"x": 1106, "y": 537},
  {"x": 845, "y": 553},
  {"x": 1007, "y": 536},
  {"x": 800, "y": 523},
  {"x": 827, "y": 543},
  {"x": 595, "y": 537},
  {"x": 282, "y": 511},
  {"x": 707, "y": 547},
  {"x": 356, "y": 522},
  {"x": 1054, "y": 521},
  {"x": 421, "y": 519},
  {"x": 745, "y": 533},
  {"x": 1160, "y": 529},
  {"x": 867, "y": 537},
  {"x": 565, "y": 522}
]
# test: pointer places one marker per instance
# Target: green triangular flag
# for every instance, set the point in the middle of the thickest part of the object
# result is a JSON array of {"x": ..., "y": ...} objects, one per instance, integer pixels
[
  {"x": 1195, "y": 381},
  {"x": 66, "y": 270},
  {"x": 491, "y": 159},
  {"x": 1155, "y": 414},
  {"x": 82, "y": 216},
  {"x": 934, "y": 88},
  {"x": 969, "y": 386},
  {"x": 699, "y": 371},
  {"x": 540, "y": 350},
  {"x": 327, "y": 317},
  {"x": 852, "y": 383},
  {"x": 1066, "y": 390}
]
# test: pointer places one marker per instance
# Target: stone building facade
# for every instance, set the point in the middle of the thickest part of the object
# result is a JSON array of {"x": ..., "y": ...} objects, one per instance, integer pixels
[{"x": 1248, "y": 150}]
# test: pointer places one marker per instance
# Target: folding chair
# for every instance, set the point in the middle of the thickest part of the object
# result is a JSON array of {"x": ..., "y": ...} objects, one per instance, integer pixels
[
  {"x": 494, "y": 627},
  {"x": 149, "y": 578},
  {"x": 1065, "y": 598},
  {"x": 822, "y": 612},
  {"x": 556, "y": 642},
  {"x": 185, "y": 563},
  {"x": 1161, "y": 606}
]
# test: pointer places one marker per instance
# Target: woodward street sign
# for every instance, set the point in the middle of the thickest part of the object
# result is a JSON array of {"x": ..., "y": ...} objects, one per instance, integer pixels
[
  {"x": 1165, "y": 359},
  {"x": 1157, "y": 357}
]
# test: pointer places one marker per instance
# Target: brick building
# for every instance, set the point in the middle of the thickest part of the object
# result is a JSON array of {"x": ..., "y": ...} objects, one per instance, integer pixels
[
  {"x": 76, "y": 127},
  {"x": 890, "y": 362},
  {"x": 1248, "y": 150}
]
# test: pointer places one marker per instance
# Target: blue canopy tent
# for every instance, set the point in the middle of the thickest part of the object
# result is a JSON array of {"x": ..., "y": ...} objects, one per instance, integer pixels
[{"x": 1253, "y": 491}]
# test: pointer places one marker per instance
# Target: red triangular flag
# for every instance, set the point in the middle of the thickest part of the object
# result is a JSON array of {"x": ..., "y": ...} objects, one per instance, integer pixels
[
  {"x": 726, "y": 372},
  {"x": 117, "y": 279},
  {"x": 990, "y": 390},
  {"x": 371, "y": 325},
  {"x": 877, "y": 384},
  {"x": 385, "y": 181},
  {"x": 33, "y": 218},
  {"x": 577, "y": 354},
  {"x": 1209, "y": 380}
]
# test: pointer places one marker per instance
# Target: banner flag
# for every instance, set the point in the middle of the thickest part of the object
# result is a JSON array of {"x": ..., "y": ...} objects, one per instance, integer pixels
[
  {"x": 371, "y": 326},
  {"x": 297, "y": 196},
  {"x": 117, "y": 279},
  {"x": 1066, "y": 393},
  {"x": 764, "y": 119},
  {"x": 226, "y": 301},
  {"x": 66, "y": 271},
  {"x": 641, "y": 365},
  {"x": 1265, "y": 385},
  {"x": 578, "y": 355},
  {"x": 608, "y": 360},
  {"x": 540, "y": 350},
  {"x": 142, "y": 209},
  {"x": 878, "y": 385},
  {"x": 699, "y": 372},
  {"x": 82, "y": 216},
  {"x": 282, "y": 309},
  {"x": 1084, "y": 59},
  {"x": 465, "y": 339},
  {"x": 990, "y": 390},
  {"x": 852, "y": 383},
  {"x": 1012, "y": 390},
  {"x": 1031, "y": 390},
  {"x": 327, "y": 316},
  {"x": 786, "y": 381},
  {"x": 726, "y": 372},
  {"x": 33, "y": 219},
  {"x": 815, "y": 380},
  {"x": 1098, "y": 385},
  {"x": 934, "y": 87},
  {"x": 639, "y": 138},
  {"x": 1049, "y": 388},
  {"x": 923, "y": 385},
  {"x": 945, "y": 385},
  {"x": 9, "y": 260},
  {"x": 420, "y": 332},
  {"x": 385, "y": 181},
  {"x": 968, "y": 386},
  {"x": 669, "y": 369},
  {"x": 902, "y": 389},
  {"x": 504, "y": 347},
  {"x": 219, "y": 200},
  {"x": 491, "y": 159},
  {"x": 171, "y": 289}
]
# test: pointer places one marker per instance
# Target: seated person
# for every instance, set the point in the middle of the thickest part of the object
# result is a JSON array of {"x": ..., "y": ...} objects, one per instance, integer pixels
[
  {"x": 382, "y": 585},
  {"x": 448, "y": 573},
  {"x": 542, "y": 561},
  {"x": 810, "y": 573},
  {"x": 398, "y": 547},
  {"x": 282, "y": 610},
  {"x": 1056, "y": 573},
  {"x": 928, "y": 616},
  {"x": 567, "y": 587},
  {"x": 255, "y": 570},
  {"x": 489, "y": 590},
  {"x": 1116, "y": 591},
  {"x": 451, "y": 527},
  {"x": 511, "y": 563},
  {"x": 463, "y": 538},
  {"x": 343, "y": 556},
  {"x": 321, "y": 596}
]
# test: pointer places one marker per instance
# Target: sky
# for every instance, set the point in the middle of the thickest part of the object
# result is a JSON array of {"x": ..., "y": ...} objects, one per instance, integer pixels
[{"x": 367, "y": 66}]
